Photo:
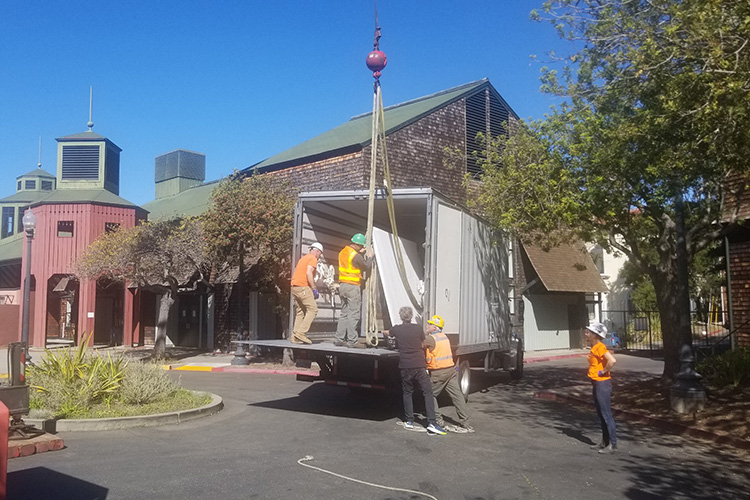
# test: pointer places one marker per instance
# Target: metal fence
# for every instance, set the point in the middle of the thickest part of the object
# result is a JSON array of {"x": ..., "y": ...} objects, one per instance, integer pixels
[{"x": 641, "y": 330}]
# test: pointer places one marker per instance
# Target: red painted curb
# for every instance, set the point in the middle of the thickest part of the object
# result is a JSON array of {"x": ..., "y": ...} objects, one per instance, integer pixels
[{"x": 673, "y": 427}]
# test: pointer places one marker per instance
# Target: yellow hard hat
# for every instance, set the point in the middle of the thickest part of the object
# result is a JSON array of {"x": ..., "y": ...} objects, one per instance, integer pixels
[{"x": 437, "y": 321}]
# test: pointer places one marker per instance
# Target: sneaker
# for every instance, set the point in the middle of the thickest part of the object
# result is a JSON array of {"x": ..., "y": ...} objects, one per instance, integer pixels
[
  {"x": 408, "y": 424},
  {"x": 599, "y": 446},
  {"x": 466, "y": 428},
  {"x": 436, "y": 429},
  {"x": 609, "y": 449}
]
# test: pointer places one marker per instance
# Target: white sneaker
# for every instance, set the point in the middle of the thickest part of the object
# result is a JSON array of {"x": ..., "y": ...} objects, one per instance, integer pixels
[{"x": 408, "y": 424}]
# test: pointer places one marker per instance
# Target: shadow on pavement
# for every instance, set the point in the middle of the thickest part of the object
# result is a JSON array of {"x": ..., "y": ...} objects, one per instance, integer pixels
[
  {"x": 41, "y": 482},
  {"x": 322, "y": 399},
  {"x": 660, "y": 465}
]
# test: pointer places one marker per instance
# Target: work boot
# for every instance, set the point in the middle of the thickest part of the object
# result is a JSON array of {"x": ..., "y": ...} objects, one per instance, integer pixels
[
  {"x": 293, "y": 339},
  {"x": 339, "y": 343},
  {"x": 302, "y": 338}
]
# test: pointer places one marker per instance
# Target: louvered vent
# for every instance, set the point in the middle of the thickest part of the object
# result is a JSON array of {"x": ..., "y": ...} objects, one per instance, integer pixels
[
  {"x": 80, "y": 163},
  {"x": 112, "y": 167},
  {"x": 46, "y": 185},
  {"x": 498, "y": 118},
  {"x": 476, "y": 121}
]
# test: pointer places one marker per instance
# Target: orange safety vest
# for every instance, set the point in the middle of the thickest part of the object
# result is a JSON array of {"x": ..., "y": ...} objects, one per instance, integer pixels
[
  {"x": 348, "y": 272},
  {"x": 441, "y": 356}
]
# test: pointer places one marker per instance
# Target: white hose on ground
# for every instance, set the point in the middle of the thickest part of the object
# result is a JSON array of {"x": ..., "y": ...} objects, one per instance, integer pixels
[{"x": 307, "y": 458}]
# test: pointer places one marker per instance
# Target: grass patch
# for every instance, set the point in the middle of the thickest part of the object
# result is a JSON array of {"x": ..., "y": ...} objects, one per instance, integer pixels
[{"x": 179, "y": 401}]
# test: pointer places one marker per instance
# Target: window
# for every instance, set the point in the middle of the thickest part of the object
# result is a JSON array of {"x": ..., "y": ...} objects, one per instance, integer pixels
[
  {"x": 19, "y": 224},
  {"x": 65, "y": 229},
  {"x": 9, "y": 214},
  {"x": 111, "y": 226},
  {"x": 29, "y": 184},
  {"x": 18, "y": 188},
  {"x": 46, "y": 185}
]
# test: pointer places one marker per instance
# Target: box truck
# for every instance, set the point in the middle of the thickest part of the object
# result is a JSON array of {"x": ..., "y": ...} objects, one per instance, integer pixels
[{"x": 454, "y": 265}]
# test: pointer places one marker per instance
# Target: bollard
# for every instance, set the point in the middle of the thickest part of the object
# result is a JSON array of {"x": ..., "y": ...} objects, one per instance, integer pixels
[{"x": 4, "y": 424}]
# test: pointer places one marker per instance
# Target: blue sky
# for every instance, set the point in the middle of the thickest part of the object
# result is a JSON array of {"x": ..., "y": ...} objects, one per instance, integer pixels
[{"x": 241, "y": 80}]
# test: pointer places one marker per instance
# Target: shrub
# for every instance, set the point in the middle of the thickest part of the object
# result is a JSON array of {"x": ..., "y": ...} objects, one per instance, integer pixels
[
  {"x": 69, "y": 381},
  {"x": 729, "y": 368},
  {"x": 146, "y": 383}
]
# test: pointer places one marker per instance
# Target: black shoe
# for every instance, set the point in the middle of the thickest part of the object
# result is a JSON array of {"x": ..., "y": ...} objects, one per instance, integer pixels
[
  {"x": 609, "y": 449},
  {"x": 339, "y": 343},
  {"x": 599, "y": 446},
  {"x": 353, "y": 345}
]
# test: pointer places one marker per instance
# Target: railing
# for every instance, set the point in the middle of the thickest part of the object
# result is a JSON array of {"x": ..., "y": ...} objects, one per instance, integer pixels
[{"x": 641, "y": 330}]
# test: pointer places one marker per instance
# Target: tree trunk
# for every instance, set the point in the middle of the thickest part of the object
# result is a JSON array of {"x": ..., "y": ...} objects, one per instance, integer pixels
[{"x": 160, "y": 343}]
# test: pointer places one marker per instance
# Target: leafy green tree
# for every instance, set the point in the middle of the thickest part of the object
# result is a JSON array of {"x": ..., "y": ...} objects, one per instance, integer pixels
[
  {"x": 157, "y": 256},
  {"x": 653, "y": 119},
  {"x": 250, "y": 224}
]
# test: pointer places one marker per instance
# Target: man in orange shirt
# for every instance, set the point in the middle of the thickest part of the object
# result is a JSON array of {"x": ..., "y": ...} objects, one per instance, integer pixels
[
  {"x": 601, "y": 362},
  {"x": 305, "y": 293}
]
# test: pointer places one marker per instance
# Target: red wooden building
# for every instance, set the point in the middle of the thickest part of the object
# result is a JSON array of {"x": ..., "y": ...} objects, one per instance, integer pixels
[{"x": 72, "y": 209}]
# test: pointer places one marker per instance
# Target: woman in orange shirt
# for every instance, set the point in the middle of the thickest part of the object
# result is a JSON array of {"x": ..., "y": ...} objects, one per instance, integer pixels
[{"x": 601, "y": 362}]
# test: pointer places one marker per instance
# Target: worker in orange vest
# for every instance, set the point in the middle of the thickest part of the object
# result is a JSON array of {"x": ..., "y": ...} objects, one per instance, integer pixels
[
  {"x": 443, "y": 374},
  {"x": 353, "y": 260}
]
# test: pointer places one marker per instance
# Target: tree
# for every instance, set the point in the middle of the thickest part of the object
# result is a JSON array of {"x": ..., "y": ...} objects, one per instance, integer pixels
[
  {"x": 250, "y": 222},
  {"x": 158, "y": 256},
  {"x": 653, "y": 120}
]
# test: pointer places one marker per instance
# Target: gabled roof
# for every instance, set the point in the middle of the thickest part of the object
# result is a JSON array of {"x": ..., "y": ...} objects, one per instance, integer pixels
[
  {"x": 97, "y": 196},
  {"x": 189, "y": 203},
  {"x": 37, "y": 172},
  {"x": 566, "y": 268},
  {"x": 357, "y": 132}
]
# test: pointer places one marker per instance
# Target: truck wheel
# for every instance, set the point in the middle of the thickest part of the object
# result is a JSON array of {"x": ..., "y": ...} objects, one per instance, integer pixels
[{"x": 464, "y": 377}]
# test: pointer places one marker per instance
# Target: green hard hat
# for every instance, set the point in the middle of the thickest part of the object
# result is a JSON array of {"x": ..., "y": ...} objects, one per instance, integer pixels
[{"x": 359, "y": 239}]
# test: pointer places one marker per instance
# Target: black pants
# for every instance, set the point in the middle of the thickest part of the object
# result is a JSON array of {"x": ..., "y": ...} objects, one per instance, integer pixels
[{"x": 421, "y": 377}]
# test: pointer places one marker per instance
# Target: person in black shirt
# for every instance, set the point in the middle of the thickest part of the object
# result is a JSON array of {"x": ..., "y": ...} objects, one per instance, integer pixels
[{"x": 411, "y": 361}]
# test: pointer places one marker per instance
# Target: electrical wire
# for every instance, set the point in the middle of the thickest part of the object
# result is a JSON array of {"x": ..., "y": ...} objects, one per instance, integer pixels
[{"x": 307, "y": 458}]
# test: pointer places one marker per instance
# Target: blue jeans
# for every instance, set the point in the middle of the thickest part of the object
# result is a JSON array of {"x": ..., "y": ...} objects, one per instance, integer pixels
[
  {"x": 419, "y": 375},
  {"x": 602, "y": 392}
]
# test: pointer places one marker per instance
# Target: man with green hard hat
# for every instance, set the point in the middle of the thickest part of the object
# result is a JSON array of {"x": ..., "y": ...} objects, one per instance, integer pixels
[{"x": 353, "y": 260}]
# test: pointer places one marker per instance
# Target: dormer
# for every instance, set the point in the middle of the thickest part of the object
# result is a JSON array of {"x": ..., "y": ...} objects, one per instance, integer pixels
[
  {"x": 36, "y": 180},
  {"x": 88, "y": 161}
]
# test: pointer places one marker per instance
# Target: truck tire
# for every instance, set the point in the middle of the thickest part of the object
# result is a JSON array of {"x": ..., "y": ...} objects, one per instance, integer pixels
[{"x": 464, "y": 377}]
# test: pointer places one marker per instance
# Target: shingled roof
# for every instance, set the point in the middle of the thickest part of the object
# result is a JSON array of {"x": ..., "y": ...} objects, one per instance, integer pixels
[
  {"x": 357, "y": 132},
  {"x": 566, "y": 268}
]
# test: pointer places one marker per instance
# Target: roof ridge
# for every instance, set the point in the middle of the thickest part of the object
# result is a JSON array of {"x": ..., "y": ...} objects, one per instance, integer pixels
[{"x": 424, "y": 98}]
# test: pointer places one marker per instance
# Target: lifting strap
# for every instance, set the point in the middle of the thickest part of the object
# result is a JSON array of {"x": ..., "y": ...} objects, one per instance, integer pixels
[{"x": 379, "y": 149}]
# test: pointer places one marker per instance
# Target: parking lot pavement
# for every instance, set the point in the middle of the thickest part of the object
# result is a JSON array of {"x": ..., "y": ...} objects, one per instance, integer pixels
[{"x": 522, "y": 448}]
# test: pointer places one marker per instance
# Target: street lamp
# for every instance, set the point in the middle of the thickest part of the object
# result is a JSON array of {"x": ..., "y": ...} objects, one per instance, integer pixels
[{"x": 29, "y": 224}]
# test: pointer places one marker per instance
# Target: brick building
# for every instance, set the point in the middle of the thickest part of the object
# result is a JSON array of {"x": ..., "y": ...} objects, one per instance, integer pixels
[{"x": 738, "y": 262}]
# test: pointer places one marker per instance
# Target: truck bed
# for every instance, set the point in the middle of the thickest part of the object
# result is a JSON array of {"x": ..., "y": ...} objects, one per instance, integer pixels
[{"x": 324, "y": 348}]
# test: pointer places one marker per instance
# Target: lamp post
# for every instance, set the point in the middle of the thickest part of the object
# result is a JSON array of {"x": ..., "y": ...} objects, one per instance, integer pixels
[{"x": 29, "y": 224}]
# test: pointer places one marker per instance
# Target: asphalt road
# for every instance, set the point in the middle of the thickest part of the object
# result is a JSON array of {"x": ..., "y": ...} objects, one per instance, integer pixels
[{"x": 523, "y": 448}]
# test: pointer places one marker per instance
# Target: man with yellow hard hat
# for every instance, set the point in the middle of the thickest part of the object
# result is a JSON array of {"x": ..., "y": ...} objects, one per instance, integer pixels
[{"x": 443, "y": 374}]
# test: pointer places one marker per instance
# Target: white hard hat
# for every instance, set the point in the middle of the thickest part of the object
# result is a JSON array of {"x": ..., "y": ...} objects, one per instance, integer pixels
[
  {"x": 317, "y": 246},
  {"x": 598, "y": 329}
]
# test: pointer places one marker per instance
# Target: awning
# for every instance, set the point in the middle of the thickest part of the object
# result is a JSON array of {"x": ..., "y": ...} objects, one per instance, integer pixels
[{"x": 566, "y": 268}]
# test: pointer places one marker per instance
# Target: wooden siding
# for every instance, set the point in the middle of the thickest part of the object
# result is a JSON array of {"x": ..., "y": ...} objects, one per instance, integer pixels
[{"x": 51, "y": 255}]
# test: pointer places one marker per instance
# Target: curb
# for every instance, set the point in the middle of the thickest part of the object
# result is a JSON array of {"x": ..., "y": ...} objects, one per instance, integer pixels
[
  {"x": 550, "y": 358},
  {"x": 239, "y": 369},
  {"x": 38, "y": 444},
  {"x": 672, "y": 427},
  {"x": 105, "y": 424}
]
